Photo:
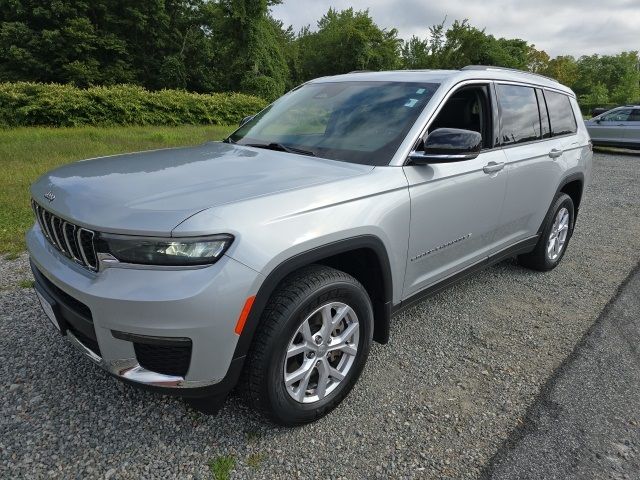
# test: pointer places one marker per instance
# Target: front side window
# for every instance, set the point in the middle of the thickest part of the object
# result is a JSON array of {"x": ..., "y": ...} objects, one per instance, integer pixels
[
  {"x": 563, "y": 122},
  {"x": 359, "y": 122},
  {"x": 520, "y": 116},
  {"x": 616, "y": 116}
]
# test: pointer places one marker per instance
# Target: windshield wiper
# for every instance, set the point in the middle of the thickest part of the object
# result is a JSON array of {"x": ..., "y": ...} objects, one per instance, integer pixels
[{"x": 281, "y": 148}]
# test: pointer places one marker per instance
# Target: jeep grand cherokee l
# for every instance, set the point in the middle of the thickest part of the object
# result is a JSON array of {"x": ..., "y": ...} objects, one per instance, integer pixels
[{"x": 273, "y": 259}]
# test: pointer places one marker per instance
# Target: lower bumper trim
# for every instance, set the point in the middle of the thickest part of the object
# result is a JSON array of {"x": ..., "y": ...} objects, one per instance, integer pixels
[{"x": 129, "y": 369}]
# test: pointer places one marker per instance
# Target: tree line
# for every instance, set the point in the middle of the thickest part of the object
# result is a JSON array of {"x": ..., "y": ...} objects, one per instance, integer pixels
[{"x": 237, "y": 45}]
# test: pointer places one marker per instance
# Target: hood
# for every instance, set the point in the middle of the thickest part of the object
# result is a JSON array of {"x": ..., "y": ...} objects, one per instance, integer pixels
[{"x": 151, "y": 192}]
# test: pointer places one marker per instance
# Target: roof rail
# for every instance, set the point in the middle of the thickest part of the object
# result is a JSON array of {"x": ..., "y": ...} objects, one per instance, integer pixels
[
  {"x": 360, "y": 71},
  {"x": 506, "y": 69}
]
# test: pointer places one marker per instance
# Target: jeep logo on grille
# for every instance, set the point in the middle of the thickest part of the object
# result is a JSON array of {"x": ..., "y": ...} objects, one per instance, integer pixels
[{"x": 50, "y": 196}]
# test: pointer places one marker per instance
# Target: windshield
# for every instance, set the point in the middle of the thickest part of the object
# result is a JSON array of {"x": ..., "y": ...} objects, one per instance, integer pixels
[{"x": 359, "y": 122}]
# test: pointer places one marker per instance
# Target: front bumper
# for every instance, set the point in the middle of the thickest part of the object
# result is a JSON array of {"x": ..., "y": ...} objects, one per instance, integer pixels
[{"x": 201, "y": 305}]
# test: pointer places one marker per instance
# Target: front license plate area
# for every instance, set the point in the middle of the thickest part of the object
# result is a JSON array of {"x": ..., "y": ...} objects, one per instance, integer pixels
[{"x": 49, "y": 311}]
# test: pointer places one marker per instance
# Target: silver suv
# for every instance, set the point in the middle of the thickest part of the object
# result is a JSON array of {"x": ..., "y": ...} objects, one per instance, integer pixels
[{"x": 273, "y": 259}]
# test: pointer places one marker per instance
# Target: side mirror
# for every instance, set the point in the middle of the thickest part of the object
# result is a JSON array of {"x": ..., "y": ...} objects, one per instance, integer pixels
[
  {"x": 246, "y": 119},
  {"x": 448, "y": 145}
]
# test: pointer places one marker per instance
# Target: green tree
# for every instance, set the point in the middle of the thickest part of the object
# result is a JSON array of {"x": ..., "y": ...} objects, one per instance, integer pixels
[
  {"x": 346, "y": 40},
  {"x": 253, "y": 60},
  {"x": 564, "y": 69}
]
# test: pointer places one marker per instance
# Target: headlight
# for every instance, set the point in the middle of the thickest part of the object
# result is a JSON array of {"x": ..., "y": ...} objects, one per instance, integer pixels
[{"x": 165, "y": 251}]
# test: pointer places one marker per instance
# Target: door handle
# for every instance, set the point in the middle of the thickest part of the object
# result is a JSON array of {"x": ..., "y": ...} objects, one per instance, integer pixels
[
  {"x": 555, "y": 153},
  {"x": 493, "y": 167}
]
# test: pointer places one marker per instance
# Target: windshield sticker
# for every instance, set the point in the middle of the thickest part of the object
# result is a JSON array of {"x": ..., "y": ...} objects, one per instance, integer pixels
[
  {"x": 420, "y": 91},
  {"x": 411, "y": 103}
]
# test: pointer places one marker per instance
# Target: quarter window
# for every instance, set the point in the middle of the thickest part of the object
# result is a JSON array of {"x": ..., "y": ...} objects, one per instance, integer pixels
[
  {"x": 561, "y": 115},
  {"x": 520, "y": 116}
]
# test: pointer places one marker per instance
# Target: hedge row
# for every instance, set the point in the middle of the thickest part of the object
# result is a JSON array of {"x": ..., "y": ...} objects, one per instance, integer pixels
[{"x": 28, "y": 104}]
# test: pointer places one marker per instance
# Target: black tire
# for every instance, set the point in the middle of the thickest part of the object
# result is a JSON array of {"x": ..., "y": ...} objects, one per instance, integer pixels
[
  {"x": 296, "y": 298},
  {"x": 538, "y": 258}
]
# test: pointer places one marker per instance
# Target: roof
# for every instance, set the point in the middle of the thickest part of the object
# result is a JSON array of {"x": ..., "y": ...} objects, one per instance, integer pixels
[{"x": 472, "y": 72}]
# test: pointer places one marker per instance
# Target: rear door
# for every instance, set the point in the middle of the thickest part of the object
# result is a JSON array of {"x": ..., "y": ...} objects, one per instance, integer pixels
[
  {"x": 536, "y": 167},
  {"x": 531, "y": 154},
  {"x": 632, "y": 133}
]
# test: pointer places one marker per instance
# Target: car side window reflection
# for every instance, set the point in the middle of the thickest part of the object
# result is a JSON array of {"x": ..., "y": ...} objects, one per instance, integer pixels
[{"x": 617, "y": 116}]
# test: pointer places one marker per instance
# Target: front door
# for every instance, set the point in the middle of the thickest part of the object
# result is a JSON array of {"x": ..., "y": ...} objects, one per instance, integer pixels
[{"x": 455, "y": 209}]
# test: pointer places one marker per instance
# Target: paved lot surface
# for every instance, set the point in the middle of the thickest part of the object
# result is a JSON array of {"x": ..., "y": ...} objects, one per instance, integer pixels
[
  {"x": 586, "y": 422},
  {"x": 461, "y": 372}
]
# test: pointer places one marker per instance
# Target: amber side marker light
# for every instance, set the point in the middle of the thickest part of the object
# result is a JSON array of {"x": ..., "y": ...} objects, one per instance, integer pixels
[{"x": 244, "y": 314}]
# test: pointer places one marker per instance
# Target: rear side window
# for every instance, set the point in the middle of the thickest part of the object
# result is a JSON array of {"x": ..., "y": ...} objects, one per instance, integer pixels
[
  {"x": 635, "y": 116},
  {"x": 563, "y": 122},
  {"x": 520, "y": 116}
]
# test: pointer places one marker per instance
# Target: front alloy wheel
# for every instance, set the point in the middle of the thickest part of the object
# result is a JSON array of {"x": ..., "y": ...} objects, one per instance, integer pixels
[
  {"x": 321, "y": 352},
  {"x": 310, "y": 347}
]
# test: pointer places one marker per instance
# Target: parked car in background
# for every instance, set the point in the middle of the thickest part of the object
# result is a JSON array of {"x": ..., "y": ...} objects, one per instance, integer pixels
[
  {"x": 619, "y": 127},
  {"x": 276, "y": 257}
]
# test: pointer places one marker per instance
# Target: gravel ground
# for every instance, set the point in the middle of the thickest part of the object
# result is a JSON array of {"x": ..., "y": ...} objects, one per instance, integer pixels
[{"x": 459, "y": 374}]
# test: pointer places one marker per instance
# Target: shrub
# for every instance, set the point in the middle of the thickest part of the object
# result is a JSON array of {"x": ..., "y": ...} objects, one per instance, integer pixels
[{"x": 28, "y": 104}]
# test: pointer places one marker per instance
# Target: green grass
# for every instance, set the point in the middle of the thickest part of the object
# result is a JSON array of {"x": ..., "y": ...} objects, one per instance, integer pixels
[
  {"x": 26, "y": 283},
  {"x": 27, "y": 153},
  {"x": 221, "y": 467},
  {"x": 254, "y": 460}
]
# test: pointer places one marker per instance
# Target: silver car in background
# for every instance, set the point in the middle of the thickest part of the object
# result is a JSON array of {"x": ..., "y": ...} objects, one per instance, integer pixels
[
  {"x": 272, "y": 260},
  {"x": 619, "y": 127}
]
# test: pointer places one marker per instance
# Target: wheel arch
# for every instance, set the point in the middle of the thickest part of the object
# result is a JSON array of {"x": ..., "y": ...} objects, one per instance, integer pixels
[
  {"x": 346, "y": 255},
  {"x": 572, "y": 185}
]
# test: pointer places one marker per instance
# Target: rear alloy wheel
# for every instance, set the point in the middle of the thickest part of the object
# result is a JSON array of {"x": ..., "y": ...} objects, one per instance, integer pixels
[
  {"x": 554, "y": 238},
  {"x": 558, "y": 235},
  {"x": 310, "y": 347}
]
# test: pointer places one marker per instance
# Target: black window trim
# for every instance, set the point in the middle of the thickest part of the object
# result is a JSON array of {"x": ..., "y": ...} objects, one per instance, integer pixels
[{"x": 542, "y": 106}]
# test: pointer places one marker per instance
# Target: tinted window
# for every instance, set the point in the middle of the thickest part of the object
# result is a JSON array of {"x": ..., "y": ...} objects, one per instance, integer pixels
[
  {"x": 544, "y": 116},
  {"x": 560, "y": 113},
  {"x": 520, "y": 116},
  {"x": 618, "y": 115},
  {"x": 360, "y": 122}
]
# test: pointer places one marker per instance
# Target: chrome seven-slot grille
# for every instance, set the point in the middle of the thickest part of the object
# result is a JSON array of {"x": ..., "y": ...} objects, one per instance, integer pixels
[{"x": 71, "y": 240}]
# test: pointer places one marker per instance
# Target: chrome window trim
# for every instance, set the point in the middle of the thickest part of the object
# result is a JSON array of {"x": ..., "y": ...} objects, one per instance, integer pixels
[{"x": 401, "y": 158}]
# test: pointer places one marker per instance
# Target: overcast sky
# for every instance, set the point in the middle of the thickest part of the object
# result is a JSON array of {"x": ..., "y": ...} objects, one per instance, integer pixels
[{"x": 560, "y": 27}]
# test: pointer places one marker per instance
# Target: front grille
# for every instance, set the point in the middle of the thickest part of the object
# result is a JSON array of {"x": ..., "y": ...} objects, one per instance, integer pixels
[
  {"x": 165, "y": 359},
  {"x": 74, "y": 242}
]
